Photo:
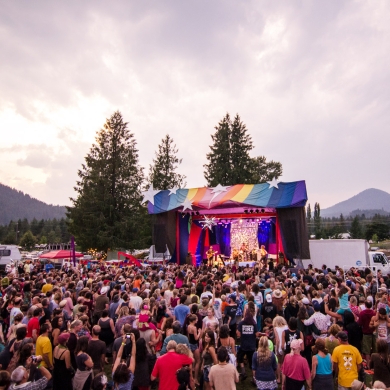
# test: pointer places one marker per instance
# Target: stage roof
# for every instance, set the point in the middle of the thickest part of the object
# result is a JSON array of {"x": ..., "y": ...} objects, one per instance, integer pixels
[{"x": 272, "y": 195}]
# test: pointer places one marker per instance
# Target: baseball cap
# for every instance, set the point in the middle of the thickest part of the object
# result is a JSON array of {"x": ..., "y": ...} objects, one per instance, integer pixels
[
  {"x": 135, "y": 289},
  {"x": 342, "y": 336}
]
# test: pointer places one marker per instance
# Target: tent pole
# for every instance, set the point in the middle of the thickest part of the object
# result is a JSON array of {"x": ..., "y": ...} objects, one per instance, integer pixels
[{"x": 177, "y": 238}]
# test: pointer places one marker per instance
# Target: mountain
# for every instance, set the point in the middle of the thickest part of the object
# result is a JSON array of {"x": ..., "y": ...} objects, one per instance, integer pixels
[
  {"x": 16, "y": 205},
  {"x": 370, "y": 199}
]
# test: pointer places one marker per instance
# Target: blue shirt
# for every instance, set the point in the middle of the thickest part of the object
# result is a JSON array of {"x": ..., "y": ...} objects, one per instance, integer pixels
[{"x": 181, "y": 312}]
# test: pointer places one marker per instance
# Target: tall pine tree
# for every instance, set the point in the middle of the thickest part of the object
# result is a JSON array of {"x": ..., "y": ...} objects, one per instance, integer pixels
[
  {"x": 107, "y": 209},
  {"x": 162, "y": 173},
  {"x": 218, "y": 170},
  {"x": 240, "y": 146},
  {"x": 229, "y": 161}
]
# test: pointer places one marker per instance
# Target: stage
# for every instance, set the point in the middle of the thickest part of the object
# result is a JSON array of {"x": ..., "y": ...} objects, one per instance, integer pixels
[{"x": 241, "y": 218}]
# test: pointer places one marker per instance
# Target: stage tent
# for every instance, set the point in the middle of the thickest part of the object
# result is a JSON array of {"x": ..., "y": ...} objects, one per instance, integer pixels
[{"x": 270, "y": 214}]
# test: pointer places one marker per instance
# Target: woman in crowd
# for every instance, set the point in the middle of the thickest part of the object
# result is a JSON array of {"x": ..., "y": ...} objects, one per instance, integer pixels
[
  {"x": 295, "y": 369},
  {"x": 380, "y": 362},
  {"x": 264, "y": 366},
  {"x": 122, "y": 373},
  {"x": 56, "y": 324},
  {"x": 279, "y": 325},
  {"x": 321, "y": 369},
  {"x": 194, "y": 334},
  {"x": 331, "y": 342},
  {"x": 141, "y": 373},
  {"x": 63, "y": 370},
  {"x": 209, "y": 356},
  {"x": 83, "y": 377}
]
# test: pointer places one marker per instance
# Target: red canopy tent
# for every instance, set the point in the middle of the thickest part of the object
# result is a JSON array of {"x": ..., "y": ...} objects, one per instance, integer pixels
[
  {"x": 61, "y": 254},
  {"x": 131, "y": 259}
]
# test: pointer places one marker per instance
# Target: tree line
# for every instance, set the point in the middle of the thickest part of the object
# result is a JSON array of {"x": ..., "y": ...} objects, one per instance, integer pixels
[
  {"x": 360, "y": 226},
  {"x": 27, "y": 234}
]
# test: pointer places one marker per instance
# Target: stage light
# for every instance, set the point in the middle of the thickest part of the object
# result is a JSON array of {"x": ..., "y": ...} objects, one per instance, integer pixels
[
  {"x": 197, "y": 213},
  {"x": 193, "y": 213},
  {"x": 240, "y": 220},
  {"x": 246, "y": 211},
  {"x": 251, "y": 211},
  {"x": 262, "y": 210},
  {"x": 257, "y": 210}
]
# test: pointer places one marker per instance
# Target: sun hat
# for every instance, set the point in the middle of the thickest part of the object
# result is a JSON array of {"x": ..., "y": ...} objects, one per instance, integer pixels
[
  {"x": 104, "y": 290},
  {"x": 277, "y": 293}
]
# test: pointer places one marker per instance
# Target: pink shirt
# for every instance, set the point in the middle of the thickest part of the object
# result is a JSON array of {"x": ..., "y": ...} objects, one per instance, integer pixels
[{"x": 296, "y": 367}]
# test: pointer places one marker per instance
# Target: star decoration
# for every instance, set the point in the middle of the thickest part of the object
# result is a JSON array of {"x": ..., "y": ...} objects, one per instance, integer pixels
[
  {"x": 273, "y": 183},
  {"x": 149, "y": 195},
  {"x": 209, "y": 222},
  {"x": 173, "y": 191},
  {"x": 187, "y": 205},
  {"x": 219, "y": 189}
]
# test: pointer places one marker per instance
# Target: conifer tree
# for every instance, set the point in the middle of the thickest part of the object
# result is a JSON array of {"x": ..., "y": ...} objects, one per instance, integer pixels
[
  {"x": 356, "y": 228},
  {"x": 162, "y": 173},
  {"x": 229, "y": 161},
  {"x": 218, "y": 170},
  {"x": 240, "y": 146},
  {"x": 105, "y": 215}
]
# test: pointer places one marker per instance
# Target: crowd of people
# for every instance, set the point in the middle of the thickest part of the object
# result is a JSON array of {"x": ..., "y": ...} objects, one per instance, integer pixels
[{"x": 181, "y": 327}]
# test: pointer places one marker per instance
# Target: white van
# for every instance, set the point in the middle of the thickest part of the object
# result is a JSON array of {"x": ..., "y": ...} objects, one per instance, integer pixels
[{"x": 8, "y": 253}]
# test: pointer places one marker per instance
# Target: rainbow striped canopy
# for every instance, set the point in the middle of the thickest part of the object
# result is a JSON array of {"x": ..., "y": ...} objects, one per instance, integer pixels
[{"x": 241, "y": 195}]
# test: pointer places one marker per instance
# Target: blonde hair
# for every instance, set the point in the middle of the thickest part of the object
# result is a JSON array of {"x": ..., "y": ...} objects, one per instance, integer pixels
[
  {"x": 279, "y": 321},
  {"x": 263, "y": 351},
  {"x": 182, "y": 349}
]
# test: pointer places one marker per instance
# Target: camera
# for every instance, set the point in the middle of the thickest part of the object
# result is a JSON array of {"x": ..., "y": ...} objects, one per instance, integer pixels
[
  {"x": 128, "y": 335},
  {"x": 34, "y": 358}
]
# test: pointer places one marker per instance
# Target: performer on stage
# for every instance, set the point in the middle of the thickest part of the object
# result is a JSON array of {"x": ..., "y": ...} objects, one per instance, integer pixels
[
  {"x": 253, "y": 254},
  {"x": 210, "y": 256},
  {"x": 263, "y": 255},
  {"x": 244, "y": 251}
]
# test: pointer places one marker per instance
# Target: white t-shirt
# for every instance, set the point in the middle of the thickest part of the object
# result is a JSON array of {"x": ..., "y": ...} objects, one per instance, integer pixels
[
  {"x": 136, "y": 302},
  {"x": 168, "y": 294},
  {"x": 206, "y": 294},
  {"x": 217, "y": 308},
  {"x": 258, "y": 298}
]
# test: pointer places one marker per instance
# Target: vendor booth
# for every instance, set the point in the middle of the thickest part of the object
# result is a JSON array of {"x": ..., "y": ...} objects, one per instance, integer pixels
[{"x": 231, "y": 223}]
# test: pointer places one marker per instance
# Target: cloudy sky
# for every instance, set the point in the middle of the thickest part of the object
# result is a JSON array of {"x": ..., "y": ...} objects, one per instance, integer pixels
[{"x": 310, "y": 79}]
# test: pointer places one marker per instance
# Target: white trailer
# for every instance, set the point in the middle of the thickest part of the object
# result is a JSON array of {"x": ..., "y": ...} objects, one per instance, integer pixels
[
  {"x": 344, "y": 253},
  {"x": 9, "y": 253}
]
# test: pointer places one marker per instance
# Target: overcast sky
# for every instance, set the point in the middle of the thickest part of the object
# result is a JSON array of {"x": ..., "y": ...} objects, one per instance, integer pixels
[{"x": 310, "y": 80}]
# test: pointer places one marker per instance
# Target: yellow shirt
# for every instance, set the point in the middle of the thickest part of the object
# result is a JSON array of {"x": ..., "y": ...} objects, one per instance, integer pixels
[
  {"x": 43, "y": 346},
  {"x": 47, "y": 287},
  {"x": 347, "y": 358}
]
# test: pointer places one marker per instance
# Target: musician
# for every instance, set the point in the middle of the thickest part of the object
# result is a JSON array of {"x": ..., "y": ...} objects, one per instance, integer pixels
[
  {"x": 210, "y": 255},
  {"x": 244, "y": 247},
  {"x": 235, "y": 254},
  {"x": 263, "y": 255},
  {"x": 253, "y": 255}
]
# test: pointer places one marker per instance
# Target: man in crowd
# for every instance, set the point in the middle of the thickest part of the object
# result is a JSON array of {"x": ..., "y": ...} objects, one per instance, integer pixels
[
  {"x": 97, "y": 350},
  {"x": 176, "y": 336},
  {"x": 44, "y": 347},
  {"x": 166, "y": 367},
  {"x": 346, "y": 362},
  {"x": 223, "y": 376}
]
